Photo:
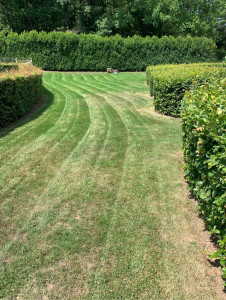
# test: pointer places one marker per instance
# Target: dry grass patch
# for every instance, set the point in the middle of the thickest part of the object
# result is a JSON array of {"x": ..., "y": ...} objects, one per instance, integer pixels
[{"x": 23, "y": 70}]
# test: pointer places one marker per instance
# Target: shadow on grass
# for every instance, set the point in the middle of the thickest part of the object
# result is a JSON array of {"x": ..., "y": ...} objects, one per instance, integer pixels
[{"x": 44, "y": 102}]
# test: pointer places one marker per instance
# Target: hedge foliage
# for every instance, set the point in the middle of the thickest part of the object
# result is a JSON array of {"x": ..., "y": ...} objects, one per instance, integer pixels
[
  {"x": 168, "y": 83},
  {"x": 8, "y": 67},
  {"x": 204, "y": 139},
  {"x": 19, "y": 90},
  {"x": 69, "y": 51}
]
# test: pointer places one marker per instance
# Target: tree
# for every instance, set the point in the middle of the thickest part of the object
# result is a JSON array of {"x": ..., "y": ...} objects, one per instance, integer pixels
[
  {"x": 160, "y": 17},
  {"x": 124, "y": 17},
  {"x": 20, "y": 15}
]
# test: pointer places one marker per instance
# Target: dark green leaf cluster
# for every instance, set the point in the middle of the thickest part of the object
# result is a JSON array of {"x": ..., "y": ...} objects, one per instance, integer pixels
[
  {"x": 204, "y": 140},
  {"x": 168, "y": 83},
  {"x": 7, "y": 67},
  {"x": 18, "y": 94},
  {"x": 69, "y": 51},
  {"x": 124, "y": 17}
]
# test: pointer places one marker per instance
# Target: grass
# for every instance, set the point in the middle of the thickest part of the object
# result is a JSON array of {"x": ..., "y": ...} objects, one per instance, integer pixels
[{"x": 93, "y": 202}]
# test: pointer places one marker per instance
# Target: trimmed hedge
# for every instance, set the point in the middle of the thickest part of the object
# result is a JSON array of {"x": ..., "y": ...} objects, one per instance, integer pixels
[
  {"x": 8, "y": 67},
  {"x": 69, "y": 51},
  {"x": 168, "y": 83},
  {"x": 19, "y": 90},
  {"x": 204, "y": 140}
]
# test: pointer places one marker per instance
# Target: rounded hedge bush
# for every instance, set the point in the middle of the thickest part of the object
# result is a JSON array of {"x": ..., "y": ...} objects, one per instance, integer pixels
[
  {"x": 19, "y": 90},
  {"x": 168, "y": 83}
]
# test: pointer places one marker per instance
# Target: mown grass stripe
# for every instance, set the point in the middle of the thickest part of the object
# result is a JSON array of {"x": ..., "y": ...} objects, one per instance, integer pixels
[
  {"x": 106, "y": 115},
  {"x": 97, "y": 96},
  {"x": 98, "y": 280},
  {"x": 86, "y": 80},
  {"x": 120, "y": 81},
  {"x": 105, "y": 80},
  {"x": 72, "y": 86}
]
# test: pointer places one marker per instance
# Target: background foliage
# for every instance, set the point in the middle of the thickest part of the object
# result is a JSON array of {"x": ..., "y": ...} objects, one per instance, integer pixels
[
  {"x": 69, "y": 51},
  {"x": 125, "y": 17}
]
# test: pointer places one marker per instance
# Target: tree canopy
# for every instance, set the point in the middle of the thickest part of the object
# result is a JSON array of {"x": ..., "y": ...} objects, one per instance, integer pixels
[{"x": 124, "y": 17}]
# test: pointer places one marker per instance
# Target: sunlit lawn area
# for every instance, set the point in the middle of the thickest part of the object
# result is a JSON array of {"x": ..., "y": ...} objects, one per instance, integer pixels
[{"x": 93, "y": 201}]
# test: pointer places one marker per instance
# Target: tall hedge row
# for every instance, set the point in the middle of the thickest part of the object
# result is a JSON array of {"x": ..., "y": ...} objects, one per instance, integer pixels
[
  {"x": 19, "y": 90},
  {"x": 69, "y": 51},
  {"x": 168, "y": 83},
  {"x": 204, "y": 139}
]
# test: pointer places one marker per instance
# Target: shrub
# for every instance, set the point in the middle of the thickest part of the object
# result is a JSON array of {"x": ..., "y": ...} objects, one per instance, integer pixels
[
  {"x": 168, "y": 83},
  {"x": 69, "y": 51},
  {"x": 19, "y": 90},
  {"x": 8, "y": 67},
  {"x": 204, "y": 140}
]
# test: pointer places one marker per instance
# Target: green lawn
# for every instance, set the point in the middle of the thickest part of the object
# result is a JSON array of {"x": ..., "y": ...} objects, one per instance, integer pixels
[{"x": 93, "y": 201}]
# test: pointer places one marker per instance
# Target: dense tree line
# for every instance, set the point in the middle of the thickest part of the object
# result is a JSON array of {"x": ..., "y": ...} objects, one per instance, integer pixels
[{"x": 125, "y": 17}]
